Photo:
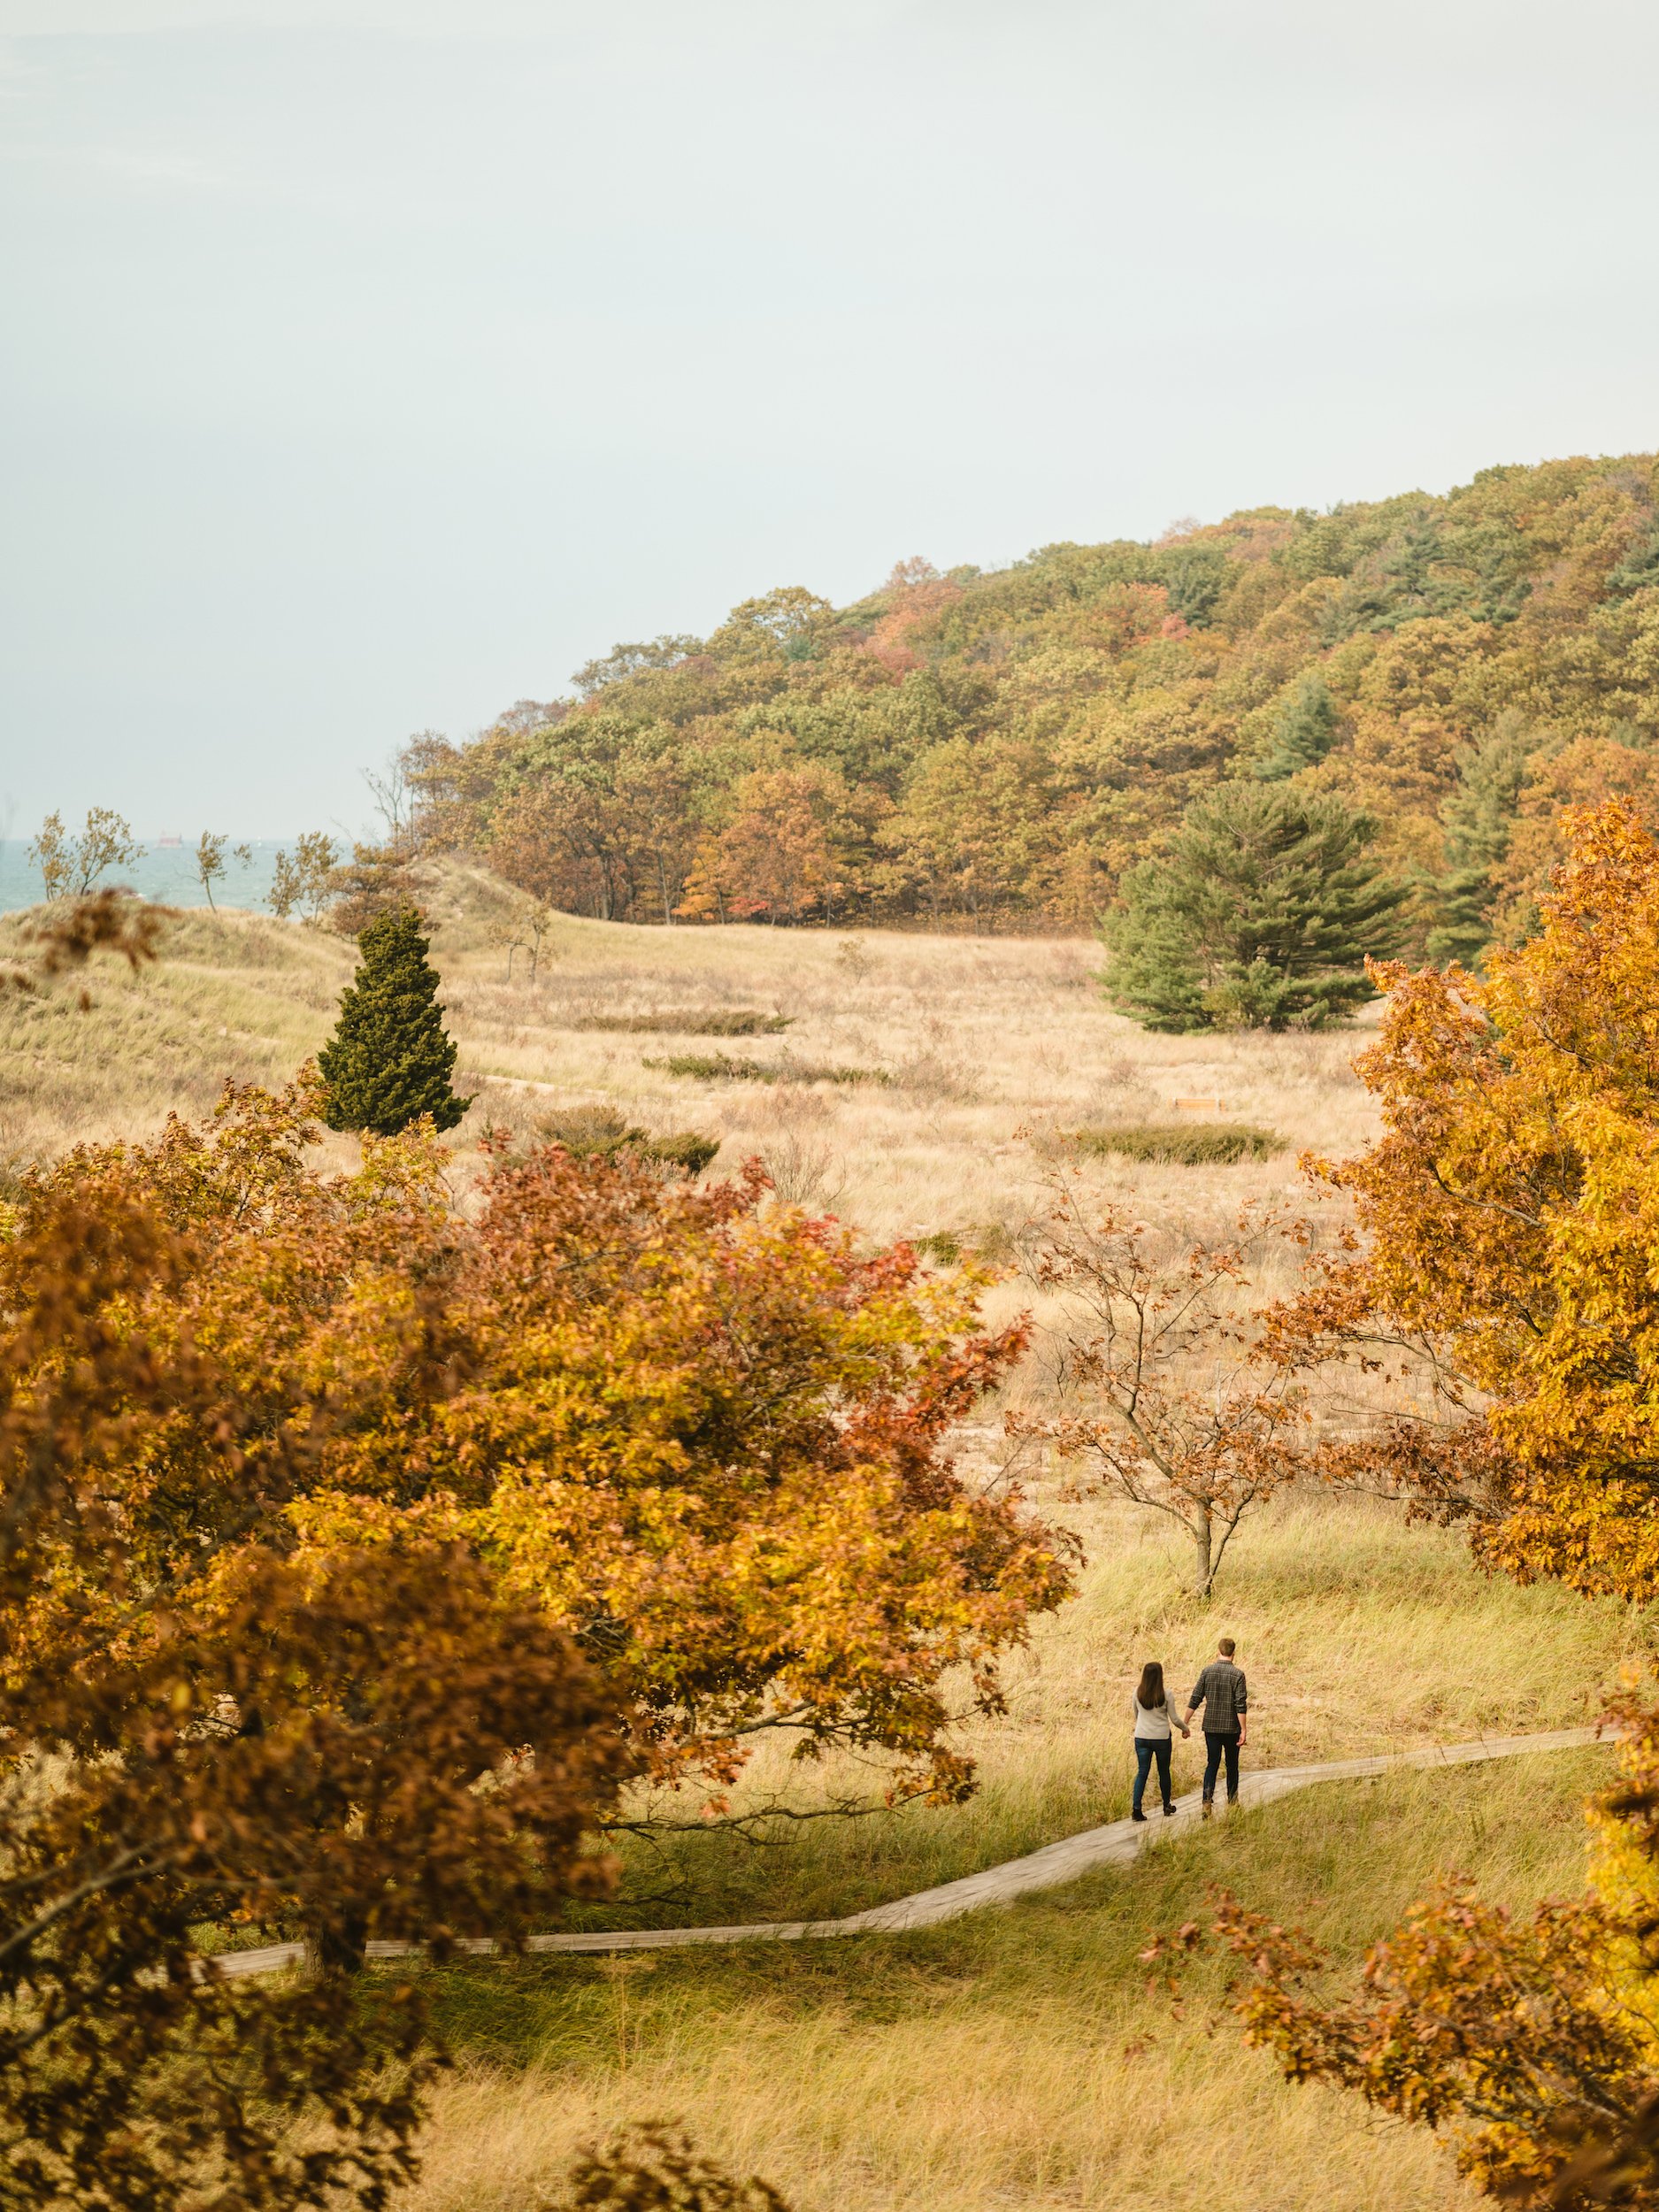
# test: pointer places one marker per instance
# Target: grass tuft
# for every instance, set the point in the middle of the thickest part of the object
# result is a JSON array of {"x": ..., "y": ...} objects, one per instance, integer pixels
[
  {"x": 1180, "y": 1144},
  {"x": 724, "y": 1067},
  {"x": 687, "y": 1022}
]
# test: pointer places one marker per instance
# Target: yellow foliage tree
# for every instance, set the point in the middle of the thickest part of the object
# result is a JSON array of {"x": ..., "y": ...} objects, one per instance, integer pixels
[{"x": 1510, "y": 1219}]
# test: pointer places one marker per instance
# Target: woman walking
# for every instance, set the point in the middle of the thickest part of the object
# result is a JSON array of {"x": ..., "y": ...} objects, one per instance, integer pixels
[{"x": 1153, "y": 1736}]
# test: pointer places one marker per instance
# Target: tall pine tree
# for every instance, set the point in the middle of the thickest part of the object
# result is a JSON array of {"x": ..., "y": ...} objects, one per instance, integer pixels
[
  {"x": 1479, "y": 819},
  {"x": 1260, "y": 916},
  {"x": 390, "y": 1060}
]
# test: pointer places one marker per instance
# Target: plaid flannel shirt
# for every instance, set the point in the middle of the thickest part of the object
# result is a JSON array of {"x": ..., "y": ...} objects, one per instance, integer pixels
[{"x": 1221, "y": 1691}]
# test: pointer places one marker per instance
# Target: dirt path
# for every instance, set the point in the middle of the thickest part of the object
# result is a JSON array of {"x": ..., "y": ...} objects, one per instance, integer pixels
[{"x": 1113, "y": 1844}]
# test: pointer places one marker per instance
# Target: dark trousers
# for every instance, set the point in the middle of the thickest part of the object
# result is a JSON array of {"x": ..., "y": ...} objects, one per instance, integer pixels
[
  {"x": 1146, "y": 1749},
  {"x": 1219, "y": 1748}
]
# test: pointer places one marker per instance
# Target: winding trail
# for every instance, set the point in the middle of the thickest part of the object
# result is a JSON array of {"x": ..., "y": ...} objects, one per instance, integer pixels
[{"x": 1113, "y": 1844}]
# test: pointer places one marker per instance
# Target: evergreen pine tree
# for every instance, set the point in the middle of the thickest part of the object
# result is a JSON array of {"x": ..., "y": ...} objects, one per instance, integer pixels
[
  {"x": 1638, "y": 570},
  {"x": 1304, "y": 731},
  {"x": 1478, "y": 820},
  {"x": 1260, "y": 916},
  {"x": 389, "y": 1060}
]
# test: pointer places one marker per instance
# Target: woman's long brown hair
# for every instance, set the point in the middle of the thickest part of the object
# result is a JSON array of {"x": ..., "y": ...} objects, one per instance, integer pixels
[{"x": 1150, "y": 1696}]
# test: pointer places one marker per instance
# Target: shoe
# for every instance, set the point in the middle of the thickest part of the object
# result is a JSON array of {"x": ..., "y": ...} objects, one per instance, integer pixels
[
  {"x": 1136, "y": 1813},
  {"x": 1232, "y": 1797},
  {"x": 1168, "y": 1809},
  {"x": 1208, "y": 1809}
]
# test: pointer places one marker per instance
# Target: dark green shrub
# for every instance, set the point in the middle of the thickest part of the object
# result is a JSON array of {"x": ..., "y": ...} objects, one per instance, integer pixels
[
  {"x": 683, "y": 1148},
  {"x": 1216, "y": 1143},
  {"x": 589, "y": 1132},
  {"x": 390, "y": 1059},
  {"x": 987, "y": 1241},
  {"x": 941, "y": 1247},
  {"x": 689, "y": 1021}
]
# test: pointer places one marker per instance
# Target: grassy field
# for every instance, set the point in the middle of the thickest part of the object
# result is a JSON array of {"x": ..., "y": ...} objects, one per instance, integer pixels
[
  {"x": 1012, "y": 2060},
  {"x": 980, "y": 1039}
]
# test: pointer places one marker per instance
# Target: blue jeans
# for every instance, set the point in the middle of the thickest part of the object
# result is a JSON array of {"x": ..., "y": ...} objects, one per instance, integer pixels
[
  {"x": 1146, "y": 1749},
  {"x": 1219, "y": 1748}
]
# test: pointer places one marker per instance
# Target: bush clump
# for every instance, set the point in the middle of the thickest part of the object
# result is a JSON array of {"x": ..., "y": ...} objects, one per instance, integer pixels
[
  {"x": 987, "y": 1242},
  {"x": 1217, "y": 1144},
  {"x": 689, "y": 1021},
  {"x": 724, "y": 1067},
  {"x": 941, "y": 1247},
  {"x": 599, "y": 1133}
]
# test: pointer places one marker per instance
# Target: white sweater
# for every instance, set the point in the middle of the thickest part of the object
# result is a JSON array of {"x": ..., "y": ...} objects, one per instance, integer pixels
[{"x": 1153, "y": 1724}]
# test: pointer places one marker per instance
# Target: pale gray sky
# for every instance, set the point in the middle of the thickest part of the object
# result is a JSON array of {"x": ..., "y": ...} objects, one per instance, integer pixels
[{"x": 366, "y": 365}]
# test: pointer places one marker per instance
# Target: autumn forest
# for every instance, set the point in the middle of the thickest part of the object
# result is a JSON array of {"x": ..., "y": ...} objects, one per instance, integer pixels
[{"x": 993, "y": 750}]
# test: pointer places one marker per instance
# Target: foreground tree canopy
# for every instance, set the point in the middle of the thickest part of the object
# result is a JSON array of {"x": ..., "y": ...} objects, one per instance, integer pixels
[
  {"x": 702, "y": 1434},
  {"x": 1003, "y": 746},
  {"x": 323, "y": 1502},
  {"x": 225, "y": 1730}
]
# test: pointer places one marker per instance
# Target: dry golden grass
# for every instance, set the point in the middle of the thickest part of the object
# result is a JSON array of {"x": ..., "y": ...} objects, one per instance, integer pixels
[
  {"x": 983, "y": 1038},
  {"x": 235, "y": 996},
  {"x": 1010, "y": 2061}
]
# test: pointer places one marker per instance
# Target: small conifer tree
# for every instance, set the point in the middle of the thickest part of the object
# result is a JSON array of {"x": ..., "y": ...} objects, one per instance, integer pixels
[
  {"x": 390, "y": 1060},
  {"x": 1304, "y": 731},
  {"x": 1260, "y": 916}
]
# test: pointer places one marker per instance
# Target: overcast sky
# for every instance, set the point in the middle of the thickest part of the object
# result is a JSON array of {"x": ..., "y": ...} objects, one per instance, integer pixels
[{"x": 366, "y": 365}]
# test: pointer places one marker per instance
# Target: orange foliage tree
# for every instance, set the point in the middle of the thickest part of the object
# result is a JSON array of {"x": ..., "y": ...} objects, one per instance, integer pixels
[
  {"x": 214, "y": 1728},
  {"x": 323, "y": 1500},
  {"x": 703, "y": 1433},
  {"x": 775, "y": 860}
]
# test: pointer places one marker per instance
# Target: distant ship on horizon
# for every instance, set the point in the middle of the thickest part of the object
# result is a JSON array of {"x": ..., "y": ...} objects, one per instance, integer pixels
[{"x": 166, "y": 844}]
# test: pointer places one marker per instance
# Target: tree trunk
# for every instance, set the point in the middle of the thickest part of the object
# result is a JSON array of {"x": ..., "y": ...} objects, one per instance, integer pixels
[
  {"x": 1204, "y": 1573},
  {"x": 340, "y": 1946}
]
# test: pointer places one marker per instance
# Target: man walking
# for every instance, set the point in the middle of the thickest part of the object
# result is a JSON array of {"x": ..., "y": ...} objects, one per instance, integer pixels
[{"x": 1221, "y": 1692}]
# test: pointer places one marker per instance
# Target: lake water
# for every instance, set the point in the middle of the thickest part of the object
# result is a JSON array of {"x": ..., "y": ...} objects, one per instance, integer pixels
[{"x": 166, "y": 874}]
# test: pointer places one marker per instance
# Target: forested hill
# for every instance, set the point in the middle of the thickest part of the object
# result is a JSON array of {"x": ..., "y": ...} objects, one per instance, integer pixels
[{"x": 992, "y": 747}]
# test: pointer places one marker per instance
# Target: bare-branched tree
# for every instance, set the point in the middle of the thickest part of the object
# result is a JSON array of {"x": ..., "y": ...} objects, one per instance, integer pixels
[{"x": 1162, "y": 1398}]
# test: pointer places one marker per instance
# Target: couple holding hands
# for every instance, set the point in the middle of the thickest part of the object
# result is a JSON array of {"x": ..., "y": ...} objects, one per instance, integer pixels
[{"x": 1220, "y": 1689}]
